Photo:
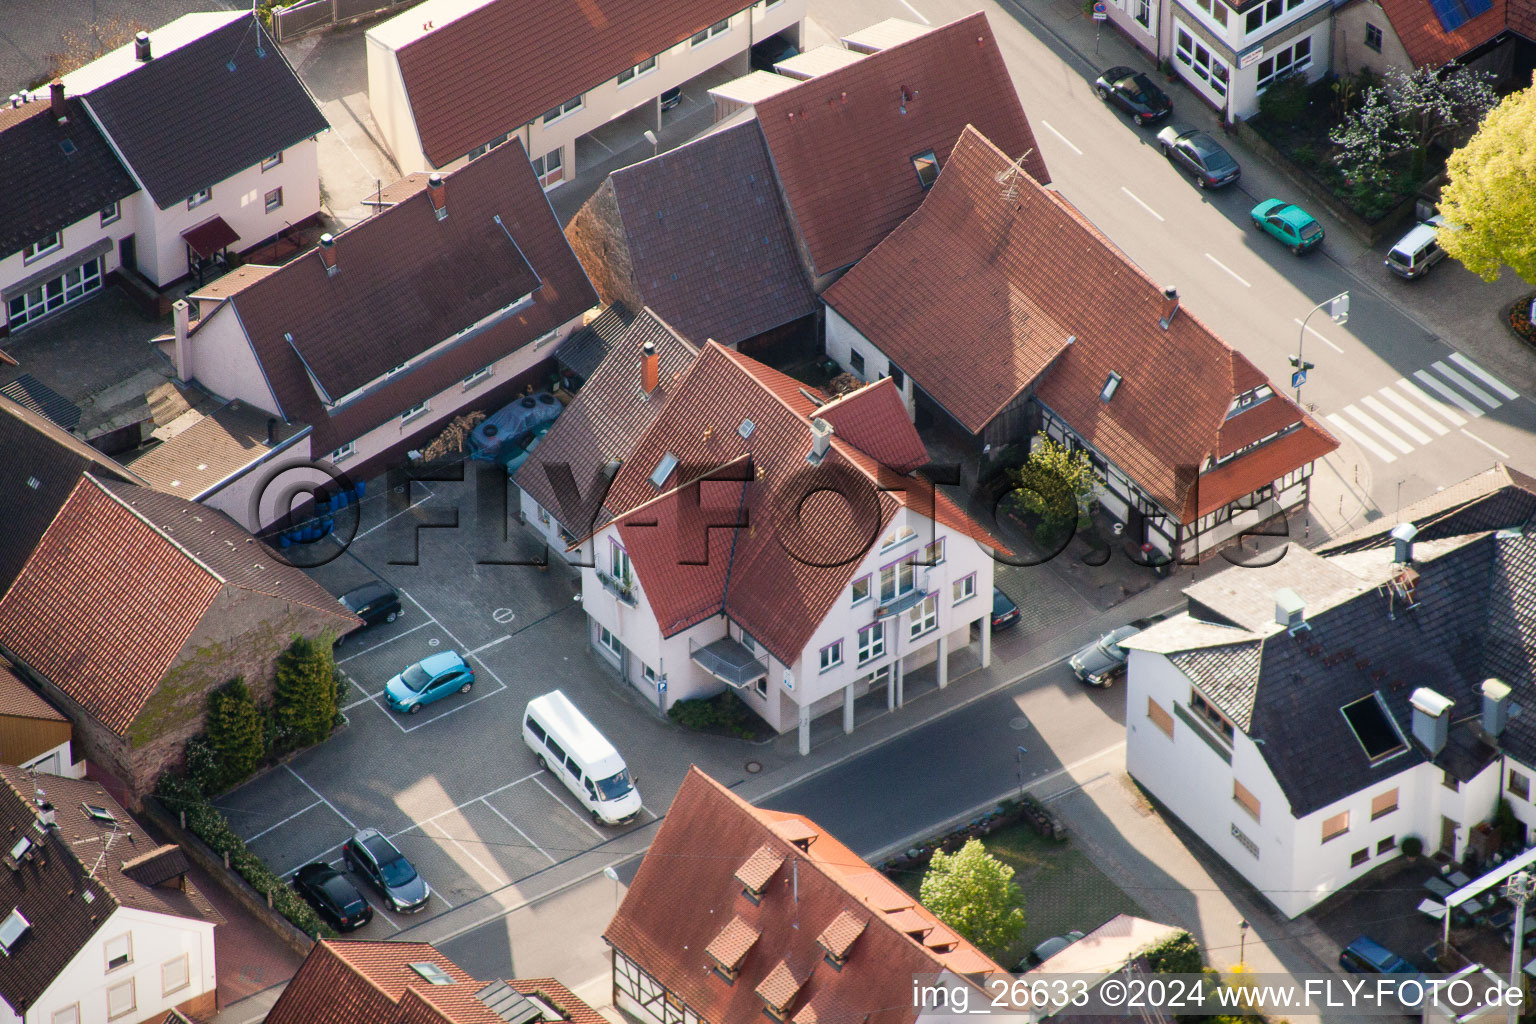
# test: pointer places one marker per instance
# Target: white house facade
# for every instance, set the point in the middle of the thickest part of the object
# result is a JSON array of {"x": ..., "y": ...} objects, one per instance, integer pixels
[{"x": 65, "y": 266}]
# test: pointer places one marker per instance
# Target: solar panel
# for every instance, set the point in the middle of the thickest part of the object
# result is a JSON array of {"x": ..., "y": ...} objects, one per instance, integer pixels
[
  {"x": 1451, "y": 13},
  {"x": 1476, "y": 7}
]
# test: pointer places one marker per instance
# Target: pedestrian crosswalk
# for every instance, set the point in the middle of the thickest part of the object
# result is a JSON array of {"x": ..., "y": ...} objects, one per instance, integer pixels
[{"x": 1416, "y": 409}]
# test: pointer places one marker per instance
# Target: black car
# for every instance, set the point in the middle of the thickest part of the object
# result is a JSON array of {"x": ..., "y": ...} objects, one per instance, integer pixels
[
  {"x": 374, "y": 857},
  {"x": 374, "y": 603},
  {"x": 1134, "y": 93},
  {"x": 772, "y": 50},
  {"x": 1201, "y": 156},
  {"x": 672, "y": 97},
  {"x": 336, "y": 898},
  {"x": 1004, "y": 612}
]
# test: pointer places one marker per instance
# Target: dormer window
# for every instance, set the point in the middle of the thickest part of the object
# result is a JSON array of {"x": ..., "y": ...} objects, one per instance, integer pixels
[
  {"x": 730, "y": 947},
  {"x": 1248, "y": 399},
  {"x": 758, "y": 869},
  {"x": 779, "y": 988},
  {"x": 837, "y": 939}
]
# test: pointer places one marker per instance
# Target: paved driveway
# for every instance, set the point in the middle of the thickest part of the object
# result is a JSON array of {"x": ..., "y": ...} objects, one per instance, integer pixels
[{"x": 454, "y": 786}]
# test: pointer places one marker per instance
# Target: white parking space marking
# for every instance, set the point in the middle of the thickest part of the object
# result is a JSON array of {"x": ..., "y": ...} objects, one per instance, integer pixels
[
  {"x": 369, "y": 650},
  {"x": 582, "y": 819},
  {"x": 352, "y": 824},
  {"x": 1379, "y": 407},
  {"x": 493, "y": 876},
  {"x": 269, "y": 828},
  {"x": 1467, "y": 386},
  {"x": 916, "y": 13},
  {"x": 1320, "y": 337},
  {"x": 1433, "y": 382},
  {"x": 1497, "y": 451},
  {"x": 466, "y": 803},
  {"x": 1381, "y": 431},
  {"x": 1223, "y": 266},
  {"x": 493, "y": 643},
  {"x": 397, "y": 515},
  {"x": 1486, "y": 377},
  {"x": 519, "y": 831},
  {"x": 1414, "y": 411},
  {"x": 1435, "y": 404},
  {"x": 1360, "y": 438},
  {"x": 1052, "y": 129},
  {"x": 369, "y": 699},
  {"x": 1144, "y": 206},
  {"x": 503, "y": 615},
  {"x": 451, "y": 711}
]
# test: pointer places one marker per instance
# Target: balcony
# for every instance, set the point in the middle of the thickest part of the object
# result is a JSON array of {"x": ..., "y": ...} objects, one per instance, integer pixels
[
  {"x": 624, "y": 589},
  {"x": 729, "y": 661}
]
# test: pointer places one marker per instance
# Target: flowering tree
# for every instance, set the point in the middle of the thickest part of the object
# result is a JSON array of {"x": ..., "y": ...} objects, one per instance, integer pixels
[
  {"x": 1489, "y": 202},
  {"x": 1407, "y": 114}
]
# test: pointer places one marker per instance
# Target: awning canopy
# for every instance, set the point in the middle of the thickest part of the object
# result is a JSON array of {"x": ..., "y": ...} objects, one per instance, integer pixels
[
  {"x": 210, "y": 237},
  {"x": 730, "y": 661}
]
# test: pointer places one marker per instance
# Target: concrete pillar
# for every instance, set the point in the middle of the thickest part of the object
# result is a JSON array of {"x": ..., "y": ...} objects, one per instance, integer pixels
[
  {"x": 183, "y": 351},
  {"x": 943, "y": 662},
  {"x": 897, "y": 681},
  {"x": 890, "y": 689},
  {"x": 848, "y": 708},
  {"x": 805, "y": 729},
  {"x": 986, "y": 640}
]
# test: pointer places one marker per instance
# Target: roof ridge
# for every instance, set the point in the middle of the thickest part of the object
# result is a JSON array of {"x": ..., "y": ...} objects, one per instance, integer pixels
[{"x": 153, "y": 526}]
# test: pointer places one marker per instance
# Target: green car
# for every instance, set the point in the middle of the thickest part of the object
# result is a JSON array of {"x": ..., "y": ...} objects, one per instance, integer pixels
[{"x": 1289, "y": 223}]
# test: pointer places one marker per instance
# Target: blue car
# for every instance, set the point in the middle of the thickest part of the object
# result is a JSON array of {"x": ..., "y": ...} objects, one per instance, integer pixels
[{"x": 430, "y": 679}]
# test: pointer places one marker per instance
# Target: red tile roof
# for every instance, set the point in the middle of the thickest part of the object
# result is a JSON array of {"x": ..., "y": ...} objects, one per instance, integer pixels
[
  {"x": 18, "y": 700},
  {"x": 691, "y": 569},
  {"x": 842, "y": 143},
  {"x": 1429, "y": 45},
  {"x": 686, "y": 889},
  {"x": 934, "y": 294},
  {"x": 499, "y": 67}
]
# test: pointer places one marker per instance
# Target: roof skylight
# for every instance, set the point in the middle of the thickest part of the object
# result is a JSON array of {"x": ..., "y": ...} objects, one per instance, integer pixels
[
  {"x": 433, "y": 973},
  {"x": 1373, "y": 727},
  {"x": 100, "y": 814},
  {"x": 11, "y": 929},
  {"x": 663, "y": 470},
  {"x": 1110, "y": 387}
]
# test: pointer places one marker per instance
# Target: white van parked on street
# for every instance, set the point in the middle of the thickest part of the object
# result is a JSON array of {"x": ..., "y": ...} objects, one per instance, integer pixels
[{"x": 581, "y": 757}]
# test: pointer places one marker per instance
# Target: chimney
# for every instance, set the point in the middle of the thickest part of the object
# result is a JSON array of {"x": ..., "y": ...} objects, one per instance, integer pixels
[
  {"x": 650, "y": 367},
  {"x": 1290, "y": 609},
  {"x": 1402, "y": 543},
  {"x": 821, "y": 438},
  {"x": 1495, "y": 707},
  {"x": 438, "y": 193},
  {"x": 271, "y": 430},
  {"x": 141, "y": 47},
  {"x": 1431, "y": 719},
  {"x": 1170, "y": 306},
  {"x": 183, "y": 347},
  {"x": 60, "y": 109},
  {"x": 45, "y": 813},
  {"x": 15, "y": 99},
  {"x": 328, "y": 254}
]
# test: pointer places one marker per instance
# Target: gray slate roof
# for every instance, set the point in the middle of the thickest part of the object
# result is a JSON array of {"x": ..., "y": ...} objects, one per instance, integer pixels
[
  {"x": 193, "y": 117},
  {"x": 1491, "y": 500},
  {"x": 586, "y": 346},
  {"x": 1228, "y": 675}
]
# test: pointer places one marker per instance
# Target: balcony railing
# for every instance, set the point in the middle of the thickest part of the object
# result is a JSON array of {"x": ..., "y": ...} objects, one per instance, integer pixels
[{"x": 621, "y": 589}]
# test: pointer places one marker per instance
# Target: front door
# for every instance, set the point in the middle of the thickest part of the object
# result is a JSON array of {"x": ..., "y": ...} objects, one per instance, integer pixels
[
  {"x": 1448, "y": 829},
  {"x": 127, "y": 254}
]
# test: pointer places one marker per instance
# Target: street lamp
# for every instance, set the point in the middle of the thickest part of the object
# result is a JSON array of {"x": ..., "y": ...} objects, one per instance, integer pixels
[
  {"x": 1338, "y": 311},
  {"x": 1019, "y": 760},
  {"x": 1242, "y": 943},
  {"x": 613, "y": 876},
  {"x": 1517, "y": 890},
  {"x": 650, "y": 137}
]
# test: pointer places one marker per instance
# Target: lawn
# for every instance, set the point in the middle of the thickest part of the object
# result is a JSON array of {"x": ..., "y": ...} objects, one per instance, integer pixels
[{"x": 1062, "y": 888}]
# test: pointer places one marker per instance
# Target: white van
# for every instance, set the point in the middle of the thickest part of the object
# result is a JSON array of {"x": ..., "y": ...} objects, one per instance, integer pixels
[
  {"x": 1418, "y": 250},
  {"x": 581, "y": 757}
]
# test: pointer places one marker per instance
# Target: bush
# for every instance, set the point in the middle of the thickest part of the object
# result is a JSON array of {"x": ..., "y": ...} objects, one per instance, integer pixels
[
  {"x": 234, "y": 737},
  {"x": 1286, "y": 99},
  {"x": 1177, "y": 955},
  {"x": 305, "y": 699},
  {"x": 1520, "y": 320},
  {"x": 723, "y": 713},
  {"x": 1412, "y": 846}
]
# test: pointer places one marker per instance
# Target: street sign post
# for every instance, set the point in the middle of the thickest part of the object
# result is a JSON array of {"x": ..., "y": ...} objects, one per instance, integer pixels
[
  {"x": 1298, "y": 378},
  {"x": 1100, "y": 11}
]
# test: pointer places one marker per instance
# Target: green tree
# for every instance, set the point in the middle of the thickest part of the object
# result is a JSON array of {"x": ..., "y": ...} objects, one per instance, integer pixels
[
  {"x": 974, "y": 893},
  {"x": 1177, "y": 954},
  {"x": 234, "y": 735},
  {"x": 1408, "y": 113},
  {"x": 305, "y": 699},
  {"x": 1055, "y": 483},
  {"x": 1489, "y": 203}
]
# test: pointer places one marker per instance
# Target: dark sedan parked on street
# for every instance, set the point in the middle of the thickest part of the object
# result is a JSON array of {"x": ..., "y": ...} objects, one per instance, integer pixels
[
  {"x": 1134, "y": 93},
  {"x": 336, "y": 898},
  {"x": 1201, "y": 156},
  {"x": 1103, "y": 661}
]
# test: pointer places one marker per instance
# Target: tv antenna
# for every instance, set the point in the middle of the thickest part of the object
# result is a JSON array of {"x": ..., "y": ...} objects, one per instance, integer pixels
[{"x": 1009, "y": 178}]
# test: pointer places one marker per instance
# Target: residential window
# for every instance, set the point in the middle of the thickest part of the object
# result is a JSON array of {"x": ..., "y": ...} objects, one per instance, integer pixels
[
  {"x": 1144, "y": 13},
  {"x": 1201, "y": 62},
  {"x": 1449, "y": 781},
  {"x": 923, "y": 617},
  {"x": 43, "y": 246},
  {"x": 1297, "y": 57},
  {"x": 1205, "y": 710},
  {"x": 856, "y": 361},
  {"x": 120, "y": 1000},
  {"x": 476, "y": 377},
  {"x": 480, "y": 151},
  {"x": 565, "y": 109},
  {"x": 719, "y": 28},
  {"x": 927, "y": 167},
  {"x": 543, "y": 514},
  {"x": 897, "y": 579},
  {"x": 55, "y": 294},
  {"x": 346, "y": 451},
  {"x": 1268, "y": 12},
  {"x": 933, "y": 554},
  {"x": 1247, "y": 844},
  {"x": 1160, "y": 717},
  {"x": 1387, "y": 845},
  {"x": 1335, "y": 826},
  {"x": 1372, "y": 37},
  {"x": 198, "y": 198},
  {"x": 963, "y": 589},
  {"x": 645, "y": 67},
  {"x": 414, "y": 411},
  {"x": 112, "y": 214},
  {"x": 1359, "y": 857},
  {"x": 68, "y": 1015},
  {"x": 871, "y": 642},
  {"x": 1383, "y": 805},
  {"x": 119, "y": 952},
  {"x": 832, "y": 655},
  {"x": 274, "y": 200},
  {"x": 1249, "y": 802},
  {"x": 650, "y": 676},
  {"x": 619, "y": 565},
  {"x": 1215, "y": 9},
  {"x": 761, "y": 687},
  {"x": 176, "y": 974},
  {"x": 1519, "y": 785},
  {"x": 272, "y": 161},
  {"x": 610, "y": 641},
  {"x": 550, "y": 168},
  {"x": 749, "y": 641},
  {"x": 861, "y": 589},
  {"x": 897, "y": 537}
]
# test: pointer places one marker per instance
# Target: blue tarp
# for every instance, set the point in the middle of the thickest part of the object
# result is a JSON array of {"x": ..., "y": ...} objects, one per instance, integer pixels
[{"x": 509, "y": 422}]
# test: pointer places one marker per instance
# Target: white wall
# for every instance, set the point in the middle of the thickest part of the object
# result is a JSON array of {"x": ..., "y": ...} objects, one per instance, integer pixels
[
  {"x": 80, "y": 235},
  {"x": 534, "y": 516},
  {"x": 1122, "y": 14},
  {"x": 224, "y": 362},
  {"x": 157, "y": 938},
  {"x": 843, "y": 339},
  {"x": 56, "y": 762},
  {"x": 391, "y": 110}
]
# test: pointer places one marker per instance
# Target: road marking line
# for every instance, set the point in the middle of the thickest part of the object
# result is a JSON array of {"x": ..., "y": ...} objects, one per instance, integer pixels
[
  {"x": 466, "y": 803},
  {"x": 1143, "y": 205},
  {"x": 1387, "y": 435},
  {"x": 454, "y": 710},
  {"x": 1360, "y": 438},
  {"x": 456, "y": 643},
  {"x": 350, "y": 823},
  {"x": 519, "y": 831},
  {"x": 1487, "y": 378},
  {"x": 1453, "y": 417},
  {"x": 1414, "y": 411},
  {"x": 1499, "y": 452},
  {"x": 491, "y": 874},
  {"x": 397, "y": 515},
  {"x": 594, "y": 138},
  {"x": 1313, "y": 331},
  {"x": 1467, "y": 386},
  {"x": 1434, "y": 382},
  {"x": 1062, "y": 137},
  {"x": 285, "y": 821},
  {"x": 1379, "y": 407},
  {"x": 916, "y": 12},
  {"x": 584, "y": 821},
  {"x": 1228, "y": 269},
  {"x": 368, "y": 650},
  {"x": 493, "y": 643},
  {"x": 363, "y": 700}
]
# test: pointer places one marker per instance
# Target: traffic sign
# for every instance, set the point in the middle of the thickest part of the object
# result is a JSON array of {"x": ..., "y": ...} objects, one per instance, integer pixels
[
  {"x": 1298, "y": 378},
  {"x": 1100, "y": 11}
]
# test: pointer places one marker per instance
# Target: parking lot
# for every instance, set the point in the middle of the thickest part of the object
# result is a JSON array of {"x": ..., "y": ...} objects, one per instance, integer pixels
[{"x": 454, "y": 787}]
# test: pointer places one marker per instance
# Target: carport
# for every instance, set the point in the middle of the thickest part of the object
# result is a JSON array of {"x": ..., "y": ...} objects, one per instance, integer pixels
[{"x": 1481, "y": 885}]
